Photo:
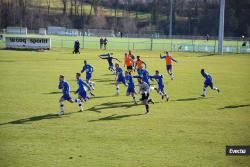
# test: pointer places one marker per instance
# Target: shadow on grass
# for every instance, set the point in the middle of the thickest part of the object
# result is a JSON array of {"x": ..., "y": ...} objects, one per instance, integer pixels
[
  {"x": 205, "y": 55},
  {"x": 190, "y": 99},
  {"x": 109, "y": 105},
  {"x": 104, "y": 80},
  {"x": 234, "y": 106},
  {"x": 100, "y": 97},
  {"x": 193, "y": 98},
  {"x": 58, "y": 92},
  {"x": 34, "y": 118},
  {"x": 115, "y": 117},
  {"x": 109, "y": 74}
]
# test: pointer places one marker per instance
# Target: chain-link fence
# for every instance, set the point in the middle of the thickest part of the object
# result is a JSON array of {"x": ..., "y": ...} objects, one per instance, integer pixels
[
  {"x": 157, "y": 44},
  {"x": 176, "y": 44}
]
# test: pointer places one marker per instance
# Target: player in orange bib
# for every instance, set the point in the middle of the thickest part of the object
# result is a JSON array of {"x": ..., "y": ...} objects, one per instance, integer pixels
[
  {"x": 132, "y": 57},
  {"x": 139, "y": 65},
  {"x": 169, "y": 59},
  {"x": 128, "y": 62}
]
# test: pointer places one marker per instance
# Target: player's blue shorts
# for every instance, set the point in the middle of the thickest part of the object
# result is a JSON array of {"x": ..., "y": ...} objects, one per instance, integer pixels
[
  {"x": 131, "y": 89},
  {"x": 121, "y": 79},
  {"x": 88, "y": 76},
  {"x": 111, "y": 66},
  {"x": 147, "y": 81},
  {"x": 161, "y": 88},
  {"x": 83, "y": 94},
  {"x": 66, "y": 97},
  {"x": 169, "y": 67},
  {"x": 208, "y": 83}
]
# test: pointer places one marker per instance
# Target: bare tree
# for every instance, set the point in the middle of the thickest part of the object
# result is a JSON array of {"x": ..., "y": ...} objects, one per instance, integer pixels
[
  {"x": 71, "y": 7},
  {"x": 64, "y": 6},
  {"x": 48, "y": 6},
  {"x": 81, "y": 6}
]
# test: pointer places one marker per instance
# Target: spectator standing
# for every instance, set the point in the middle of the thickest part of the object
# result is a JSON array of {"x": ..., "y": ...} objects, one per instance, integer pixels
[
  {"x": 101, "y": 42},
  {"x": 105, "y": 42}
]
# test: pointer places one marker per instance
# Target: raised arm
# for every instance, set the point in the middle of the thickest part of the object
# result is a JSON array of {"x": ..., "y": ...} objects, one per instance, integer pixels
[
  {"x": 103, "y": 55},
  {"x": 162, "y": 57},
  {"x": 174, "y": 59},
  {"x": 152, "y": 77},
  {"x": 117, "y": 59}
]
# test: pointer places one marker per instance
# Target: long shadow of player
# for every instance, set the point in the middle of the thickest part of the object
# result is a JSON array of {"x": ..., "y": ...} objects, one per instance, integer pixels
[
  {"x": 104, "y": 80},
  {"x": 192, "y": 99},
  {"x": 58, "y": 92},
  {"x": 109, "y": 105},
  {"x": 115, "y": 117},
  {"x": 34, "y": 118},
  {"x": 234, "y": 106}
]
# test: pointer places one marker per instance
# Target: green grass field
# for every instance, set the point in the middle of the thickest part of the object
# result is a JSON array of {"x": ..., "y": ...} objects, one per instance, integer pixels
[{"x": 186, "y": 131}]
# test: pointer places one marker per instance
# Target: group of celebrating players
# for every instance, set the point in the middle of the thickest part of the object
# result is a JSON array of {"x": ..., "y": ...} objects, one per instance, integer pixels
[{"x": 133, "y": 66}]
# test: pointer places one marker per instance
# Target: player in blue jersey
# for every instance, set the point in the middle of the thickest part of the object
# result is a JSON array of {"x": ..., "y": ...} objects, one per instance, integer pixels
[
  {"x": 208, "y": 82},
  {"x": 109, "y": 58},
  {"x": 89, "y": 70},
  {"x": 66, "y": 95},
  {"x": 81, "y": 91},
  {"x": 131, "y": 85},
  {"x": 160, "y": 89},
  {"x": 119, "y": 78},
  {"x": 145, "y": 76}
]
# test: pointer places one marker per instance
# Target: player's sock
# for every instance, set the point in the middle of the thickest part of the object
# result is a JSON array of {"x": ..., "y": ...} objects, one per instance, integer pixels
[
  {"x": 92, "y": 84},
  {"x": 61, "y": 107},
  {"x": 147, "y": 108},
  {"x": 204, "y": 92},
  {"x": 79, "y": 102},
  {"x": 117, "y": 89},
  {"x": 134, "y": 99},
  {"x": 167, "y": 97},
  {"x": 81, "y": 108},
  {"x": 171, "y": 76}
]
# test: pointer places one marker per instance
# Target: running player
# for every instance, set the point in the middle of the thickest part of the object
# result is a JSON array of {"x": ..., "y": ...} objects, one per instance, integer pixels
[
  {"x": 119, "y": 78},
  {"x": 208, "y": 82},
  {"x": 109, "y": 58},
  {"x": 66, "y": 95},
  {"x": 139, "y": 65},
  {"x": 132, "y": 57},
  {"x": 169, "y": 59},
  {"x": 160, "y": 89},
  {"x": 128, "y": 62},
  {"x": 131, "y": 85},
  {"x": 82, "y": 93},
  {"x": 89, "y": 70},
  {"x": 144, "y": 90}
]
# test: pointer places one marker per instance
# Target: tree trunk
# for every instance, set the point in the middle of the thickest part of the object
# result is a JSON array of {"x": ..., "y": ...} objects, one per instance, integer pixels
[
  {"x": 64, "y": 7},
  {"x": 71, "y": 7},
  {"x": 48, "y": 6}
]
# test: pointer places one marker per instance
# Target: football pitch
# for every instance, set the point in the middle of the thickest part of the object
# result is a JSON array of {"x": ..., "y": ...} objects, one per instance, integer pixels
[{"x": 112, "y": 131}]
